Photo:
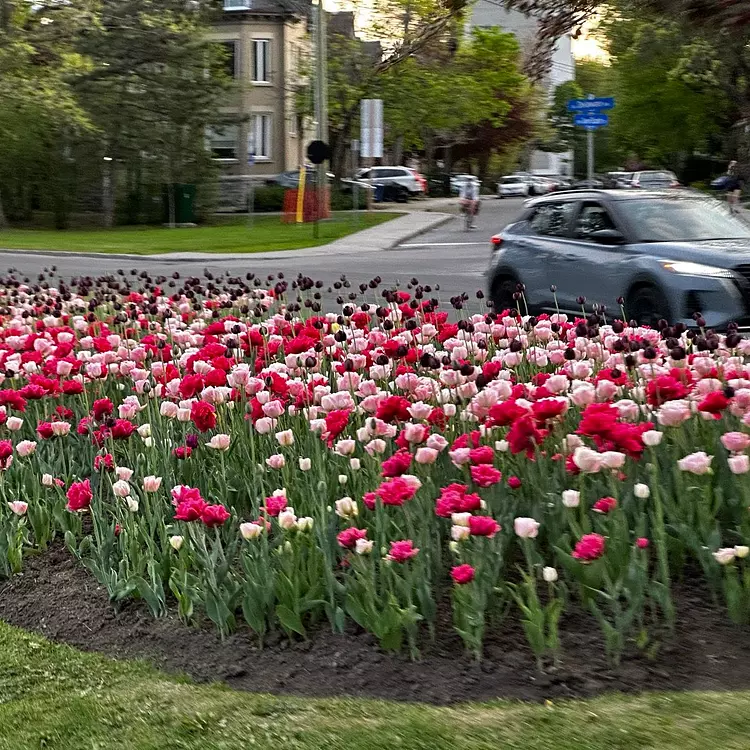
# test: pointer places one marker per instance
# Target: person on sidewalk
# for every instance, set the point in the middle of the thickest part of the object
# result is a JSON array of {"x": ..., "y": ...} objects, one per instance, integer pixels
[
  {"x": 469, "y": 197},
  {"x": 734, "y": 185}
]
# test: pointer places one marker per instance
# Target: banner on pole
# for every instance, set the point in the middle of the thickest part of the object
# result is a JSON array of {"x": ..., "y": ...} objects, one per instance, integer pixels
[{"x": 371, "y": 117}]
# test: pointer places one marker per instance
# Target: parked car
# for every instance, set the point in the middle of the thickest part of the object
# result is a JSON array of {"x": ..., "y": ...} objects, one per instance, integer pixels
[
  {"x": 559, "y": 182},
  {"x": 290, "y": 179},
  {"x": 595, "y": 184},
  {"x": 540, "y": 185},
  {"x": 654, "y": 180},
  {"x": 459, "y": 180},
  {"x": 512, "y": 186},
  {"x": 421, "y": 179},
  {"x": 670, "y": 254},
  {"x": 619, "y": 180},
  {"x": 403, "y": 176}
]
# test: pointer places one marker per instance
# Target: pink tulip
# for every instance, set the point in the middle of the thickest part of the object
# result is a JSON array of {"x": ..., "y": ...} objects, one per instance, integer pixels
[
  {"x": 277, "y": 461},
  {"x": 460, "y": 456},
  {"x": 26, "y": 448},
  {"x": 264, "y": 425},
  {"x": 151, "y": 483},
  {"x": 60, "y": 429},
  {"x": 739, "y": 464},
  {"x": 736, "y": 442},
  {"x": 587, "y": 460},
  {"x": 437, "y": 442},
  {"x": 219, "y": 442},
  {"x": 18, "y": 507},
  {"x": 696, "y": 463},
  {"x": 14, "y": 424},
  {"x": 526, "y": 528},
  {"x": 426, "y": 456}
]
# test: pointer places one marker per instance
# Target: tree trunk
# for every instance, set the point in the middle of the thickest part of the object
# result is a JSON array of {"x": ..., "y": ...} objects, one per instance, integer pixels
[
  {"x": 3, "y": 219},
  {"x": 483, "y": 164}
]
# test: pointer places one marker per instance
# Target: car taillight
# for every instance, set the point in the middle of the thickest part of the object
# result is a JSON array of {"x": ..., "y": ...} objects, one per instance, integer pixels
[
  {"x": 496, "y": 241},
  {"x": 674, "y": 184}
]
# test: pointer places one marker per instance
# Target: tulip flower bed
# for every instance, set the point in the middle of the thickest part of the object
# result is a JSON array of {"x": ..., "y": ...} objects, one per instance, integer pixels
[{"x": 231, "y": 454}]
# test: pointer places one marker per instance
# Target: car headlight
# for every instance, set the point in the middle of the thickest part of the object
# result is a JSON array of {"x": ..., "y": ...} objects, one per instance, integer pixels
[{"x": 685, "y": 268}]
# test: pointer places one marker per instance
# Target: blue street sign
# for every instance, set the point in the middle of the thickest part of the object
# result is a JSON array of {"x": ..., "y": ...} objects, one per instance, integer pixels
[
  {"x": 591, "y": 104},
  {"x": 591, "y": 122}
]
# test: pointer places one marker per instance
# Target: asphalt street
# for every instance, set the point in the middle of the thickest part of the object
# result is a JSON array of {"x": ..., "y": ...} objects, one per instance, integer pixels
[{"x": 448, "y": 256}]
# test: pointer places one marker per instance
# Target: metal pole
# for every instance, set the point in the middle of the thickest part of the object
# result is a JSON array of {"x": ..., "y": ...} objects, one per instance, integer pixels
[
  {"x": 321, "y": 98},
  {"x": 590, "y": 156}
]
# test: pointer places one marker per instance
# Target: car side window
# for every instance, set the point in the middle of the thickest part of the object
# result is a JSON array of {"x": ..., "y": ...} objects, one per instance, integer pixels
[
  {"x": 551, "y": 219},
  {"x": 592, "y": 217}
]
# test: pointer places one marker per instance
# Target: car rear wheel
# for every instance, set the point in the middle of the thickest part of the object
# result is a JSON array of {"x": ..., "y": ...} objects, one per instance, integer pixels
[
  {"x": 646, "y": 305},
  {"x": 503, "y": 289}
]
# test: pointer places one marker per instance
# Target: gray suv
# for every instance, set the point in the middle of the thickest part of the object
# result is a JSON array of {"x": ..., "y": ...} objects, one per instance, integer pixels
[{"x": 670, "y": 254}]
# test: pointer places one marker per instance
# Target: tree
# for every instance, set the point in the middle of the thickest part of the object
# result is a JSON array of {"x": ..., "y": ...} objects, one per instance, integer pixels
[
  {"x": 37, "y": 63},
  {"x": 560, "y": 119}
]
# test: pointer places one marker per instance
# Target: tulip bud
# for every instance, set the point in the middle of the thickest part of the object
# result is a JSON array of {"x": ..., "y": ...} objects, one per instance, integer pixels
[
  {"x": 501, "y": 446},
  {"x": 176, "y": 542},
  {"x": 571, "y": 498},
  {"x": 305, "y": 464},
  {"x": 48, "y": 480},
  {"x": 453, "y": 547},
  {"x": 363, "y": 546},
  {"x": 132, "y": 504},
  {"x": 460, "y": 519},
  {"x": 346, "y": 507},
  {"x": 549, "y": 574},
  {"x": 145, "y": 430},
  {"x": 343, "y": 479},
  {"x": 250, "y": 530},
  {"x": 641, "y": 491},
  {"x": 460, "y": 533},
  {"x": 355, "y": 464},
  {"x": 305, "y": 523},
  {"x": 287, "y": 519},
  {"x": 741, "y": 551}
]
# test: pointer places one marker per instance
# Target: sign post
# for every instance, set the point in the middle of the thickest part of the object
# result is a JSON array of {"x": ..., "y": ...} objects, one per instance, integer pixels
[
  {"x": 250, "y": 185},
  {"x": 355, "y": 177},
  {"x": 589, "y": 114}
]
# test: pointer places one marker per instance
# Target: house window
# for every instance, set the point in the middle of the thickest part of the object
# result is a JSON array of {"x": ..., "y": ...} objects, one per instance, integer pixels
[
  {"x": 261, "y": 60},
  {"x": 293, "y": 124},
  {"x": 237, "y": 4},
  {"x": 222, "y": 141},
  {"x": 261, "y": 136},
  {"x": 231, "y": 58}
]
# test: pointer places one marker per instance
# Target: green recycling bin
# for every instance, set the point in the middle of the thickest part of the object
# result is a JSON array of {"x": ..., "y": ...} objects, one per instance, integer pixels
[{"x": 184, "y": 203}]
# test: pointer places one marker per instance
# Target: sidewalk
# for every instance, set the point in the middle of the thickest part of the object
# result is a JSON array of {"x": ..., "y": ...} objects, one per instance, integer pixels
[{"x": 378, "y": 238}]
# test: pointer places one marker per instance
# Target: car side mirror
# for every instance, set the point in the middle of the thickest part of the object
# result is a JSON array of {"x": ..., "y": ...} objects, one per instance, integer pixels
[{"x": 608, "y": 237}]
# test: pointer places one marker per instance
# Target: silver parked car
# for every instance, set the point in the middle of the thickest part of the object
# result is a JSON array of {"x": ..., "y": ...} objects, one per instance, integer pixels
[
  {"x": 669, "y": 254},
  {"x": 513, "y": 186}
]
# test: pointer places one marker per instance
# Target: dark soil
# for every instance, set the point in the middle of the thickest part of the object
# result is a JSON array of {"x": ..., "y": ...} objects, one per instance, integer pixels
[{"x": 58, "y": 599}]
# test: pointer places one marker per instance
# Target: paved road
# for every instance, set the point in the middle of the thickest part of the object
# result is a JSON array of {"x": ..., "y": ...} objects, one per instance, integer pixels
[{"x": 449, "y": 256}]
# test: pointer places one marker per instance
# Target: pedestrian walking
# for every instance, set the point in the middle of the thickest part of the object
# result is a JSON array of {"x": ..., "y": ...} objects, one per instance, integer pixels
[{"x": 734, "y": 185}]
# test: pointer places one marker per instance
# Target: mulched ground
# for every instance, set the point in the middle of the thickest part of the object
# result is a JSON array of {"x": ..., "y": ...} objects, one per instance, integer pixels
[{"x": 58, "y": 599}]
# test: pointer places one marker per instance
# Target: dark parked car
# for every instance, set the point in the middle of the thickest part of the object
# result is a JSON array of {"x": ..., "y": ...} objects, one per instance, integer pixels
[{"x": 669, "y": 254}]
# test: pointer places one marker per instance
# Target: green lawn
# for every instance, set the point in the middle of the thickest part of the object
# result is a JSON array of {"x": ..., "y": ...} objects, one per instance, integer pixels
[
  {"x": 266, "y": 233},
  {"x": 55, "y": 697}
]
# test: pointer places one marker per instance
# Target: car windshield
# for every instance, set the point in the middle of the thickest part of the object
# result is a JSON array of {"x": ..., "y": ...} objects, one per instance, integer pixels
[{"x": 682, "y": 220}]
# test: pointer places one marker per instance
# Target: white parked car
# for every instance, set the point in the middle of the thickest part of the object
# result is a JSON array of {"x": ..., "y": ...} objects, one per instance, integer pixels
[
  {"x": 513, "y": 186},
  {"x": 459, "y": 180},
  {"x": 402, "y": 176}
]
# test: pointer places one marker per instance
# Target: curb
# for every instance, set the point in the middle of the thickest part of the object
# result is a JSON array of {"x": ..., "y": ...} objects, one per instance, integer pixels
[{"x": 439, "y": 221}]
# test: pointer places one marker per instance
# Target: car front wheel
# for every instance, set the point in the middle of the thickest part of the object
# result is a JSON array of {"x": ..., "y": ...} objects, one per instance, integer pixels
[
  {"x": 503, "y": 290},
  {"x": 645, "y": 304}
]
